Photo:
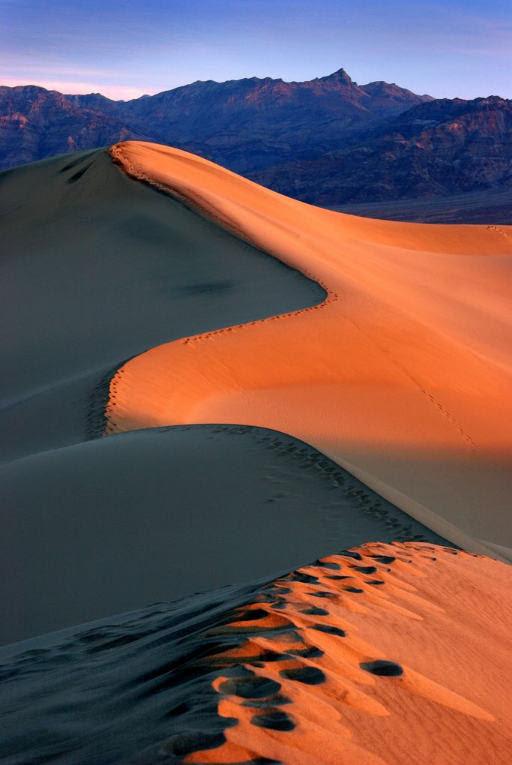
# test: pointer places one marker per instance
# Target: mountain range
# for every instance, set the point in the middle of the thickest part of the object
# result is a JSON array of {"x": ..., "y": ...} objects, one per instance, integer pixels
[{"x": 327, "y": 141}]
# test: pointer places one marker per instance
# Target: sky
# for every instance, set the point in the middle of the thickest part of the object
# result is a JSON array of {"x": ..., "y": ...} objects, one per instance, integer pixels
[{"x": 124, "y": 48}]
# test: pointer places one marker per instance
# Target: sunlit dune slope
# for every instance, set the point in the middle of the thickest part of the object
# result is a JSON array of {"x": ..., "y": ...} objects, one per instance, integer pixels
[
  {"x": 403, "y": 374},
  {"x": 382, "y": 654},
  {"x": 377, "y": 654}
]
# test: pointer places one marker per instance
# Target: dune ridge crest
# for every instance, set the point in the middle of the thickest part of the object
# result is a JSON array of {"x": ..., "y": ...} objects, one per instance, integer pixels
[
  {"x": 404, "y": 372},
  {"x": 337, "y": 657},
  {"x": 379, "y": 653}
]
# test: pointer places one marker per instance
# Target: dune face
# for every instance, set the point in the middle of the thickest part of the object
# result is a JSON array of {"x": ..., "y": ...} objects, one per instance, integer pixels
[
  {"x": 113, "y": 524},
  {"x": 276, "y": 383},
  {"x": 378, "y": 654},
  {"x": 402, "y": 374},
  {"x": 338, "y": 663},
  {"x": 96, "y": 269}
]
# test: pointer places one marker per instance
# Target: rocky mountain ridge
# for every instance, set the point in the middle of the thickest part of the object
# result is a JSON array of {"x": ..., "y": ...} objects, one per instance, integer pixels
[
  {"x": 245, "y": 124},
  {"x": 328, "y": 141}
]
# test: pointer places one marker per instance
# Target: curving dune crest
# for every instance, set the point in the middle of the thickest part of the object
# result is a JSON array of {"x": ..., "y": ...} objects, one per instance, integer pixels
[
  {"x": 378, "y": 654},
  {"x": 403, "y": 374},
  {"x": 337, "y": 663}
]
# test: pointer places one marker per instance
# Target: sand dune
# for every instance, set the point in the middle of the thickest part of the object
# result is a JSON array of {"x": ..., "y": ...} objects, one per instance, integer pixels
[
  {"x": 379, "y": 654},
  {"x": 96, "y": 269},
  {"x": 340, "y": 660},
  {"x": 393, "y": 358},
  {"x": 403, "y": 374},
  {"x": 113, "y": 524}
]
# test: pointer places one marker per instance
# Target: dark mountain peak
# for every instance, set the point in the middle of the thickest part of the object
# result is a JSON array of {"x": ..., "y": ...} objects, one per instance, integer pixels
[
  {"x": 24, "y": 89},
  {"x": 494, "y": 112},
  {"x": 92, "y": 101},
  {"x": 493, "y": 101},
  {"x": 381, "y": 86},
  {"x": 30, "y": 92},
  {"x": 339, "y": 76},
  {"x": 392, "y": 90}
]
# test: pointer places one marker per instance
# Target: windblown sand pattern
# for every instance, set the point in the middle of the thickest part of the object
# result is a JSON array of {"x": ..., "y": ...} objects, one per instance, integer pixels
[
  {"x": 402, "y": 375},
  {"x": 379, "y": 654},
  {"x": 339, "y": 661}
]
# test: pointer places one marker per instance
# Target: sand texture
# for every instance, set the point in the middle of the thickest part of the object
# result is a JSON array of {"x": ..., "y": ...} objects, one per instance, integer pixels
[
  {"x": 379, "y": 654},
  {"x": 402, "y": 375}
]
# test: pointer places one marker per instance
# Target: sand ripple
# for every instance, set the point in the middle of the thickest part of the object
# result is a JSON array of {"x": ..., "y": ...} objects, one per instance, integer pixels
[{"x": 378, "y": 654}]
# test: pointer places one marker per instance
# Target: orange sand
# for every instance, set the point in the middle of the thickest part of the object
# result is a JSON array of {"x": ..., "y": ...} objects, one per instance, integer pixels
[
  {"x": 444, "y": 618},
  {"x": 403, "y": 375}
]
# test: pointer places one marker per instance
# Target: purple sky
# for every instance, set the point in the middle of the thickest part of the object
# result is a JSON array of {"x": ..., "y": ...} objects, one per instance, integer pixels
[{"x": 129, "y": 47}]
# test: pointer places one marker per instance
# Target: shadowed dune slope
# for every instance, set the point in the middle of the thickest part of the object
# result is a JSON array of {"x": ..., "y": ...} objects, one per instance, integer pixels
[
  {"x": 96, "y": 268},
  {"x": 380, "y": 654},
  {"x": 116, "y": 523},
  {"x": 403, "y": 375}
]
